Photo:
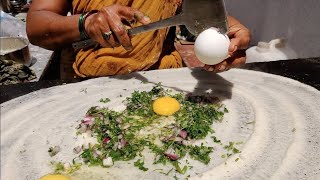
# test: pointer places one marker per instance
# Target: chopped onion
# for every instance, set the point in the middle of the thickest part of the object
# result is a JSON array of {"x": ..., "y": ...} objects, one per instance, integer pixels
[
  {"x": 106, "y": 140},
  {"x": 119, "y": 120},
  {"x": 122, "y": 144},
  {"x": 107, "y": 162},
  {"x": 88, "y": 118},
  {"x": 77, "y": 160},
  {"x": 89, "y": 133},
  {"x": 97, "y": 153},
  {"x": 54, "y": 151},
  {"x": 178, "y": 139},
  {"x": 85, "y": 146},
  {"x": 183, "y": 134},
  {"x": 170, "y": 153},
  {"x": 66, "y": 166},
  {"x": 77, "y": 150},
  {"x": 185, "y": 143},
  {"x": 82, "y": 129},
  {"x": 172, "y": 156},
  {"x": 115, "y": 146},
  {"x": 88, "y": 122},
  {"x": 126, "y": 126}
]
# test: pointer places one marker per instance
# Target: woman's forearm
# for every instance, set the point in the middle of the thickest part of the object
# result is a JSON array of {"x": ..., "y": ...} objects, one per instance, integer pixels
[{"x": 51, "y": 30}]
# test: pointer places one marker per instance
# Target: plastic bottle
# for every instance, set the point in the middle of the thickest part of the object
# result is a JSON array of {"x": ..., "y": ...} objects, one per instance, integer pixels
[{"x": 275, "y": 50}]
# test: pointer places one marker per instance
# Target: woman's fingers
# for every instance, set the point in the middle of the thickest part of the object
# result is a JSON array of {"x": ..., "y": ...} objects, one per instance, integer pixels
[
  {"x": 240, "y": 38},
  {"x": 217, "y": 68},
  {"x": 95, "y": 26},
  {"x": 106, "y": 26},
  {"x": 120, "y": 32},
  {"x": 131, "y": 14},
  {"x": 238, "y": 58},
  {"x": 113, "y": 16},
  {"x": 105, "y": 37}
]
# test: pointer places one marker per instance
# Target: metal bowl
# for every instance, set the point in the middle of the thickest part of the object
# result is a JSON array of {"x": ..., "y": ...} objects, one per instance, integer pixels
[{"x": 15, "y": 48}]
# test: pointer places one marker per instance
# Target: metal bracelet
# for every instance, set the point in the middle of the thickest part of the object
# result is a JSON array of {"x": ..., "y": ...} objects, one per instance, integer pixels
[{"x": 83, "y": 33}]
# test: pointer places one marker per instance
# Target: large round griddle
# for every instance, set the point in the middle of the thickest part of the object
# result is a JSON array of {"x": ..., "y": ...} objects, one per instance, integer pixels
[{"x": 277, "y": 119}]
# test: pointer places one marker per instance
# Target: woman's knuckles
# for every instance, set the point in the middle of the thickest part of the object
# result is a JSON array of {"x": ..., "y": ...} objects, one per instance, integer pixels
[
  {"x": 100, "y": 19},
  {"x": 120, "y": 32}
]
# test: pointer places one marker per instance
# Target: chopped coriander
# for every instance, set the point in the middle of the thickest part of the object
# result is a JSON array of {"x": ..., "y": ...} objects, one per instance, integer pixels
[
  {"x": 175, "y": 177},
  {"x": 223, "y": 156},
  {"x": 229, "y": 147},
  {"x": 215, "y": 139},
  {"x": 158, "y": 170},
  {"x": 293, "y": 130},
  {"x": 58, "y": 166},
  {"x": 201, "y": 153},
  {"x": 250, "y": 123},
  {"x": 236, "y": 151},
  {"x": 238, "y": 143},
  {"x": 178, "y": 168},
  {"x": 140, "y": 165},
  {"x": 88, "y": 157},
  {"x": 168, "y": 172},
  {"x": 237, "y": 160},
  {"x": 104, "y": 100}
]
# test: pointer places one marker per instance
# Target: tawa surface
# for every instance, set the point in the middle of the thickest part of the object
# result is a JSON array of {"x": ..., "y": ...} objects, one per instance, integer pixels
[{"x": 277, "y": 119}]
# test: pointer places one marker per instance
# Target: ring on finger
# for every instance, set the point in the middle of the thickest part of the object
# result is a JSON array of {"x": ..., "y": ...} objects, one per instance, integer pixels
[{"x": 106, "y": 35}]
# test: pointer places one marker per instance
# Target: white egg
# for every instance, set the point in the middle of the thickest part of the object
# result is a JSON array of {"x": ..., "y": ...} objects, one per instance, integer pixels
[{"x": 211, "y": 47}]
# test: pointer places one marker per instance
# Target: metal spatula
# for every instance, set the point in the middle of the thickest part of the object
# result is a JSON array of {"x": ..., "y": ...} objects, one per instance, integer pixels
[{"x": 197, "y": 16}]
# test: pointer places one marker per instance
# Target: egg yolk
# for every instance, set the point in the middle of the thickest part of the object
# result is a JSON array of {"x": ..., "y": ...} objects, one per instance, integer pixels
[
  {"x": 166, "y": 106},
  {"x": 54, "y": 177}
]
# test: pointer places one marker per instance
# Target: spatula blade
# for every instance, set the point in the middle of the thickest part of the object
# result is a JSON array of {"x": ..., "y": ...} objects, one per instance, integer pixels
[{"x": 200, "y": 15}]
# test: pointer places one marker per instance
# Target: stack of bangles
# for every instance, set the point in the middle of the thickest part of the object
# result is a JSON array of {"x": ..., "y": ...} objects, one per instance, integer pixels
[{"x": 81, "y": 24}]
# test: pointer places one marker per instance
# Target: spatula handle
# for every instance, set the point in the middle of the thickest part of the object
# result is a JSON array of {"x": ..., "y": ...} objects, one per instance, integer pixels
[{"x": 173, "y": 21}]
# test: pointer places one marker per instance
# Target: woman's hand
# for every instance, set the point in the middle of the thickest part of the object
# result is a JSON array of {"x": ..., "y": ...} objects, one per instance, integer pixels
[
  {"x": 240, "y": 38},
  {"x": 106, "y": 26}
]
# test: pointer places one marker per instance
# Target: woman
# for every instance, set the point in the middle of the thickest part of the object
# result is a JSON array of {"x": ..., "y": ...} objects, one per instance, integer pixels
[{"x": 49, "y": 27}]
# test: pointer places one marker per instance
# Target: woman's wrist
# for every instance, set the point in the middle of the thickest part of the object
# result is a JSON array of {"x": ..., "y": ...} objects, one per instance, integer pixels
[{"x": 82, "y": 24}]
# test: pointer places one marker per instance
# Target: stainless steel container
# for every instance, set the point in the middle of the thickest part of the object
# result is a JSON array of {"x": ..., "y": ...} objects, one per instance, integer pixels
[
  {"x": 17, "y": 5},
  {"x": 15, "y": 48}
]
